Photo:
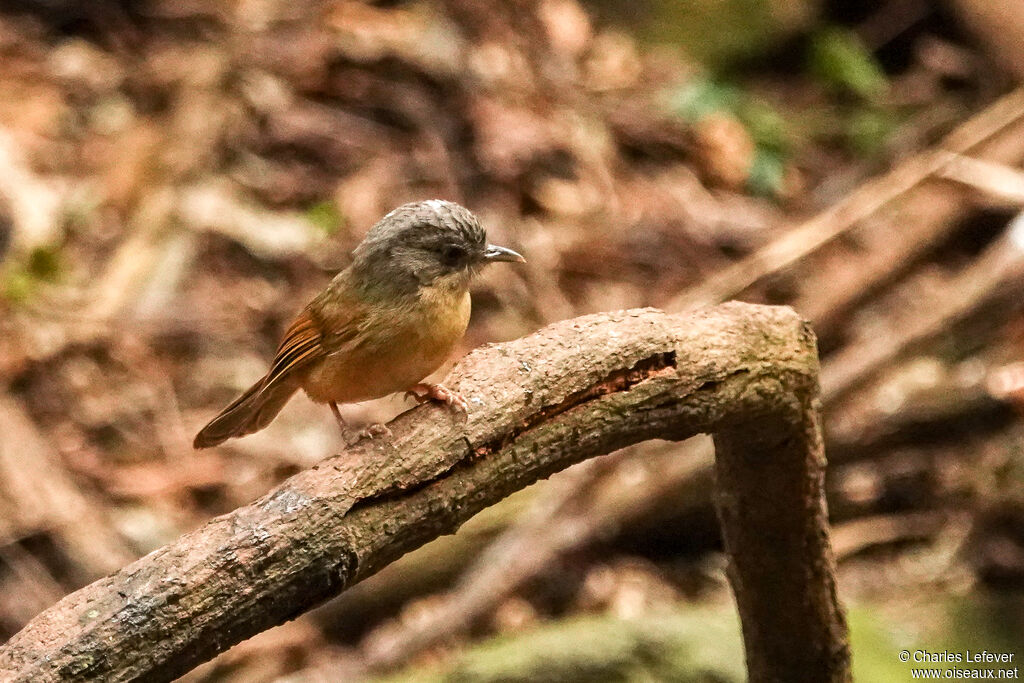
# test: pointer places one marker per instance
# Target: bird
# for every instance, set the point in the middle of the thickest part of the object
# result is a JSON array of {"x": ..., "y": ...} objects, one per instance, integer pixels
[{"x": 381, "y": 325}]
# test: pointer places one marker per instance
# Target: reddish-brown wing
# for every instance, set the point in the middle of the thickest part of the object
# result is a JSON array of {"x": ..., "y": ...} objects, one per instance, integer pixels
[{"x": 301, "y": 346}]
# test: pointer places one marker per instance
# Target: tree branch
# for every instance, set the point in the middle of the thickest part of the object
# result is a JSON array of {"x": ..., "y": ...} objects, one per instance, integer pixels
[{"x": 574, "y": 390}]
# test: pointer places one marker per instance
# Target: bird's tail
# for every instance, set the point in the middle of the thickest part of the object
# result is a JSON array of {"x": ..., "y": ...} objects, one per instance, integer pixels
[{"x": 250, "y": 412}]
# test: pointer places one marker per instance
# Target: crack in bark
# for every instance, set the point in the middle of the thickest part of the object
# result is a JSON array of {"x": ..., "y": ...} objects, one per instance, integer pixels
[{"x": 619, "y": 380}]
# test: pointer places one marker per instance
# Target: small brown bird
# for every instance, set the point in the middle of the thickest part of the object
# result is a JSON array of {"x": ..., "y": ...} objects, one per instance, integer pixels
[{"x": 383, "y": 324}]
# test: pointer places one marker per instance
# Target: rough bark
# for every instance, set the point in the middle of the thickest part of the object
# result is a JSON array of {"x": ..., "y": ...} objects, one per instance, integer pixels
[
  {"x": 574, "y": 390},
  {"x": 782, "y": 573}
]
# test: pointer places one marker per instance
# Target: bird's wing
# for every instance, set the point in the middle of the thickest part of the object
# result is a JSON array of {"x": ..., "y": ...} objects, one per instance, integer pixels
[
  {"x": 301, "y": 346},
  {"x": 331, "y": 320}
]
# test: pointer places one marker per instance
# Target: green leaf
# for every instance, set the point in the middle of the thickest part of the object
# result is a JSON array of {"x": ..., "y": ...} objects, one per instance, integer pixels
[
  {"x": 842, "y": 62},
  {"x": 867, "y": 130},
  {"x": 701, "y": 97},
  {"x": 765, "y": 124},
  {"x": 766, "y": 173}
]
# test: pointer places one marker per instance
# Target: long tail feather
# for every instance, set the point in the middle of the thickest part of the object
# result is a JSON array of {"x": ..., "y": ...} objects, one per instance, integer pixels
[{"x": 250, "y": 412}]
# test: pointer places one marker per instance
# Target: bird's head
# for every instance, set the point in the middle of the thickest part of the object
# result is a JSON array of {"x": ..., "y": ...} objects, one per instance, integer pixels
[{"x": 427, "y": 244}]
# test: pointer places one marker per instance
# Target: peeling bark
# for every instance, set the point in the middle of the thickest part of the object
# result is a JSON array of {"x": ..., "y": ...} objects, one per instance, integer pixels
[{"x": 574, "y": 390}]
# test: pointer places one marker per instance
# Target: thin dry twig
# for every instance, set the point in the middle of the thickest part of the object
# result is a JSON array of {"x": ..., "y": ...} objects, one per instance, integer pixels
[
  {"x": 854, "y": 207},
  {"x": 1000, "y": 266}
]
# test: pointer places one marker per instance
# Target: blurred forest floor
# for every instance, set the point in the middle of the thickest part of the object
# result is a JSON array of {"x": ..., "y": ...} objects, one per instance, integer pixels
[{"x": 179, "y": 177}]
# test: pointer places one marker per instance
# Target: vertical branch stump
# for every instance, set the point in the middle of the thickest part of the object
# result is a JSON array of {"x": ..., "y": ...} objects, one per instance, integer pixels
[
  {"x": 574, "y": 390},
  {"x": 770, "y": 501}
]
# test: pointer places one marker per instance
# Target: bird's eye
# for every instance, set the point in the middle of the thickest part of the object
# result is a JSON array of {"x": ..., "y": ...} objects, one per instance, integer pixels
[{"x": 453, "y": 255}]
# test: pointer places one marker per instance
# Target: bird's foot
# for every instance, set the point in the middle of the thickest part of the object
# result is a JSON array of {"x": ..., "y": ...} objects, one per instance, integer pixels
[
  {"x": 352, "y": 437},
  {"x": 439, "y": 393},
  {"x": 371, "y": 432}
]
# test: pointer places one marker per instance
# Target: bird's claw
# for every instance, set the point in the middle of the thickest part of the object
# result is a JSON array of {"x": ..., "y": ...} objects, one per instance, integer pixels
[
  {"x": 369, "y": 432},
  {"x": 439, "y": 393},
  {"x": 375, "y": 430}
]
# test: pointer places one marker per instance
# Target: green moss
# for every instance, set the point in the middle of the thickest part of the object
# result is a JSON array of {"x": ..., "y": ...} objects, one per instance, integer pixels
[
  {"x": 326, "y": 216},
  {"x": 16, "y": 285},
  {"x": 44, "y": 263},
  {"x": 691, "y": 645},
  {"x": 878, "y": 632},
  {"x": 21, "y": 278}
]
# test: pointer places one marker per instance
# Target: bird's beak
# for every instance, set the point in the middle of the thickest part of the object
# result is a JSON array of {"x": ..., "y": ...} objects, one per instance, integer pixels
[{"x": 495, "y": 253}]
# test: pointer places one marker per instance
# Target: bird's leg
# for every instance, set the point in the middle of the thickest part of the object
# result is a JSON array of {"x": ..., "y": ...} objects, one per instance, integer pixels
[
  {"x": 371, "y": 431},
  {"x": 338, "y": 417},
  {"x": 436, "y": 392}
]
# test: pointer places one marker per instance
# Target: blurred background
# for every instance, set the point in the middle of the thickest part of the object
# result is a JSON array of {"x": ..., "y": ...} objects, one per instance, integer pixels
[{"x": 179, "y": 177}]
